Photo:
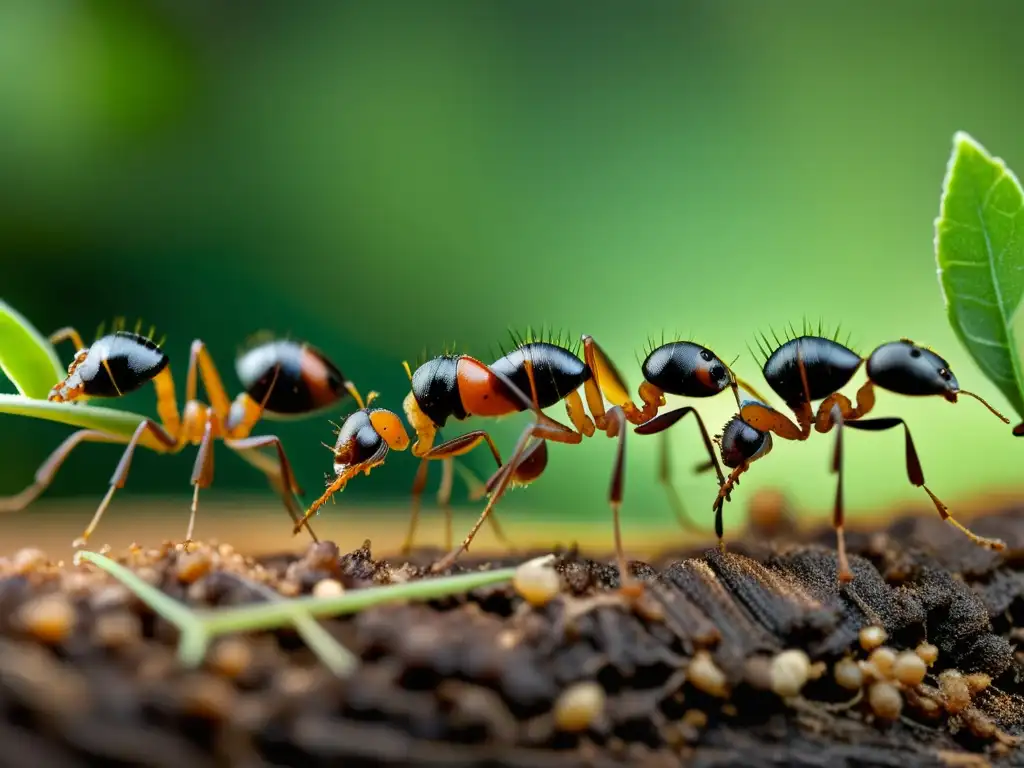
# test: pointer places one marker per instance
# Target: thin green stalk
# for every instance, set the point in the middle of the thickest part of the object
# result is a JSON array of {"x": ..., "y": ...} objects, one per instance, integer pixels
[{"x": 199, "y": 627}]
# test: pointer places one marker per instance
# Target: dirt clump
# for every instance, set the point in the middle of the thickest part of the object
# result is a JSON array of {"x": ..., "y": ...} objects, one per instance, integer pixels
[{"x": 755, "y": 657}]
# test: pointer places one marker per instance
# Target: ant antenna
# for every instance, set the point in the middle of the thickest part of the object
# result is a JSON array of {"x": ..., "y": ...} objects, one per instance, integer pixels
[
  {"x": 408, "y": 370},
  {"x": 981, "y": 400},
  {"x": 355, "y": 394}
]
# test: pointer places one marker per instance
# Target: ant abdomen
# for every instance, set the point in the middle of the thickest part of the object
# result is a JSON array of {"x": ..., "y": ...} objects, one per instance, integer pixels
[
  {"x": 829, "y": 366},
  {"x": 686, "y": 369},
  {"x": 557, "y": 372},
  {"x": 114, "y": 365},
  {"x": 290, "y": 378}
]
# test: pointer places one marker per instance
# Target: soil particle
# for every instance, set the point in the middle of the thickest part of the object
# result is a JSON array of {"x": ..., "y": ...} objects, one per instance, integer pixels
[{"x": 88, "y": 675}]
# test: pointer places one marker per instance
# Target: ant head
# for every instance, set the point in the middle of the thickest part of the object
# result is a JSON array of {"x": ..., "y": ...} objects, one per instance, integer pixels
[
  {"x": 741, "y": 443},
  {"x": 908, "y": 369},
  {"x": 687, "y": 369}
]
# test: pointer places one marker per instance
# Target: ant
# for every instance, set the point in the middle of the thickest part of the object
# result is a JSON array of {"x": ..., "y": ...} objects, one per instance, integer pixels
[
  {"x": 364, "y": 440},
  {"x": 459, "y": 386},
  {"x": 280, "y": 377},
  {"x": 809, "y": 368}
]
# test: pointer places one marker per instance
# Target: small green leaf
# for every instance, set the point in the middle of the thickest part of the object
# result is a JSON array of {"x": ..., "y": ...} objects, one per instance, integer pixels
[
  {"x": 27, "y": 357},
  {"x": 108, "y": 420},
  {"x": 979, "y": 247}
]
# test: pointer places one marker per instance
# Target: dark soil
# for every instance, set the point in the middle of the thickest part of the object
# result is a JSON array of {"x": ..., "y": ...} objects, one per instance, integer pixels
[{"x": 88, "y": 675}]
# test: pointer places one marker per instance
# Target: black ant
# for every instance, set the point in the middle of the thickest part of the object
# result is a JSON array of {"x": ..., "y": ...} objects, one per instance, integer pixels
[
  {"x": 809, "y": 368},
  {"x": 280, "y": 377}
]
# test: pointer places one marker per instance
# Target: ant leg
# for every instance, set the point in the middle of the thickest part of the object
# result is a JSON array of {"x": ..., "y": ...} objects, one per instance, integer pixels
[
  {"x": 608, "y": 384},
  {"x": 67, "y": 334},
  {"x": 845, "y": 574},
  {"x": 617, "y": 428},
  {"x": 48, "y": 469},
  {"x": 121, "y": 472},
  {"x": 418, "y": 484},
  {"x": 543, "y": 427},
  {"x": 723, "y": 494},
  {"x": 202, "y": 477},
  {"x": 823, "y": 421},
  {"x": 279, "y": 474},
  {"x": 477, "y": 490},
  {"x": 916, "y": 477},
  {"x": 444, "y": 452},
  {"x": 199, "y": 358},
  {"x": 661, "y": 424}
]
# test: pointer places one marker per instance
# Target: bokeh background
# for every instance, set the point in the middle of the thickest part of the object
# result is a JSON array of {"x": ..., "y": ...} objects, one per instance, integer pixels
[{"x": 390, "y": 178}]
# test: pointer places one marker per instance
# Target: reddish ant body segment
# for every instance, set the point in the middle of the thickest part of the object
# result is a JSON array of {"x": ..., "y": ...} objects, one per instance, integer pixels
[
  {"x": 284, "y": 378},
  {"x": 806, "y": 368},
  {"x": 364, "y": 440}
]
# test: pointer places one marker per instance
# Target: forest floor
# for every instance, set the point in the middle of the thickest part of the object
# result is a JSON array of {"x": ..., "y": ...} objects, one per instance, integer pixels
[{"x": 88, "y": 674}]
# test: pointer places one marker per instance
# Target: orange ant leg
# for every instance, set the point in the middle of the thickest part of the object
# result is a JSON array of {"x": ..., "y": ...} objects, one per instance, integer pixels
[
  {"x": 444, "y": 452},
  {"x": 543, "y": 427},
  {"x": 823, "y": 421},
  {"x": 199, "y": 358},
  {"x": 916, "y": 477},
  {"x": 577, "y": 415},
  {"x": 48, "y": 469},
  {"x": 67, "y": 334},
  {"x": 477, "y": 490},
  {"x": 608, "y": 384},
  {"x": 661, "y": 424},
  {"x": 280, "y": 474},
  {"x": 723, "y": 494},
  {"x": 121, "y": 472},
  {"x": 202, "y": 477}
]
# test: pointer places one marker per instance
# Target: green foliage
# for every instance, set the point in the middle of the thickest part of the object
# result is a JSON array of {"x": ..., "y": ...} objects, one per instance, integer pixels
[
  {"x": 30, "y": 361},
  {"x": 27, "y": 358},
  {"x": 980, "y": 254},
  {"x": 199, "y": 627}
]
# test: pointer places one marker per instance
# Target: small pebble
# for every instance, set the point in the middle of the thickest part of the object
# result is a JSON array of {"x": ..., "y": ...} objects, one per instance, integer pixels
[
  {"x": 192, "y": 566},
  {"x": 207, "y": 697},
  {"x": 579, "y": 706},
  {"x": 537, "y": 583},
  {"x": 848, "y": 674},
  {"x": 872, "y": 637},
  {"x": 288, "y": 588},
  {"x": 27, "y": 560},
  {"x": 328, "y": 588},
  {"x": 49, "y": 618},
  {"x": 231, "y": 656},
  {"x": 117, "y": 629},
  {"x": 885, "y": 701},
  {"x": 704, "y": 675},
  {"x": 977, "y": 682},
  {"x": 789, "y": 673},
  {"x": 882, "y": 659},
  {"x": 909, "y": 668},
  {"x": 929, "y": 653},
  {"x": 979, "y": 723},
  {"x": 955, "y": 693}
]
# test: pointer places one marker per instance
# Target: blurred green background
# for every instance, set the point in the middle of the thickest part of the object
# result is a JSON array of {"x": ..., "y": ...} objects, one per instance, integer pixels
[{"x": 387, "y": 178}]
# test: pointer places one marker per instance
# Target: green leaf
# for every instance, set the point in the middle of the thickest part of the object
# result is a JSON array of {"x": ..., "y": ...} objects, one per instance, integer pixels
[
  {"x": 979, "y": 246},
  {"x": 108, "y": 420},
  {"x": 27, "y": 357}
]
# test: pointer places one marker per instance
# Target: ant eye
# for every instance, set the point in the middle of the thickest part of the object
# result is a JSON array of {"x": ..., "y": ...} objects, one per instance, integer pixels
[
  {"x": 717, "y": 372},
  {"x": 706, "y": 355},
  {"x": 945, "y": 374},
  {"x": 915, "y": 352}
]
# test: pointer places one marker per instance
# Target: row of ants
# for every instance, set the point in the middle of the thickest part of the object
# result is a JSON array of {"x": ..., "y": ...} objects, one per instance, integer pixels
[{"x": 289, "y": 378}]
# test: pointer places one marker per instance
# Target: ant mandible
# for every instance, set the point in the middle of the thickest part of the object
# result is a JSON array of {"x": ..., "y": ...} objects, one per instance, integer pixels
[
  {"x": 280, "y": 377},
  {"x": 808, "y": 368}
]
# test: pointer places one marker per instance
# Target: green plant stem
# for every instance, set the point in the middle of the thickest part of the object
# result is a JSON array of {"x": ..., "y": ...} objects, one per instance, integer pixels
[{"x": 199, "y": 627}]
